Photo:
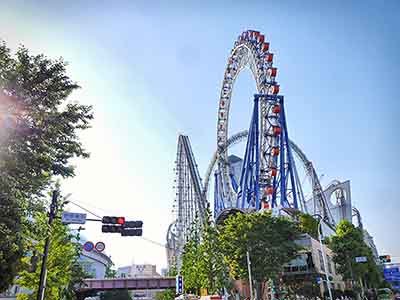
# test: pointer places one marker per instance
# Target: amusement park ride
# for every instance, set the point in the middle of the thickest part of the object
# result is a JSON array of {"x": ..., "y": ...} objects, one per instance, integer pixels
[{"x": 268, "y": 176}]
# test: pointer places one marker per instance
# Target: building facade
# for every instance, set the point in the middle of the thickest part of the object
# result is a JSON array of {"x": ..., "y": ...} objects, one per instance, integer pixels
[
  {"x": 95, "y": 263},
  {"x": 140, "y": 271},
  {"x": 308, "y": 267}
]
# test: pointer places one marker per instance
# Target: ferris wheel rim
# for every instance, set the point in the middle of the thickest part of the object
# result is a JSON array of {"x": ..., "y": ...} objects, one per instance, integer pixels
[{"x": 251, "y": 52}]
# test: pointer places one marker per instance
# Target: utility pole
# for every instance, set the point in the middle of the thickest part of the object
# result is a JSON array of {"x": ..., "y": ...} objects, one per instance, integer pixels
[
  {"x": 328, "y": 282},
  {"x": 249, "y": 270},
  {"x": 43, "y": 270}
]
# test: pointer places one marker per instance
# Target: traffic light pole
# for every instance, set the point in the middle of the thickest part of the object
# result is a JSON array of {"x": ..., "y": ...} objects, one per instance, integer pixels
[{"x": 43, "y": 270}]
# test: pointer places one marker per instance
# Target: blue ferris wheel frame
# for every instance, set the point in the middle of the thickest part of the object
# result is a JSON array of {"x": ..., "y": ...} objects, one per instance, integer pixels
[{"x": 249, "y": 189}]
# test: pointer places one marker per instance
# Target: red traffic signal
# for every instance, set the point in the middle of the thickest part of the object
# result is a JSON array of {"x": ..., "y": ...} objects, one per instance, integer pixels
[
  {"x": 113, "y": 220},
  {"x": 385, "y": 258}
]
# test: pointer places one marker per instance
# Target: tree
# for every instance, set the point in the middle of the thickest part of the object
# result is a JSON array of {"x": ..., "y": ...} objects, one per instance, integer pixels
[
  {"x": 269, "y": 240},
  {"x": 63, "y": 269},
  {"x": 110, "y": 272},
  {"x": 115, "y": 295},
  {"x": 347, "y": 244},
  {"x": 168, "y": 294},
  {"x": 213, "y": 272},
  {"x": 11, "y": 242},
  {"x": 307, "y": 224},
  {"x": 191, "y": 261},
  {"x": 203, "y": 261},
  {"x": 38, "y": 137}
]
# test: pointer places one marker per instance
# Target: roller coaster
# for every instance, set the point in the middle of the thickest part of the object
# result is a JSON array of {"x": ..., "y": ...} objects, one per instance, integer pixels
[{"x": 266, "y": 177}]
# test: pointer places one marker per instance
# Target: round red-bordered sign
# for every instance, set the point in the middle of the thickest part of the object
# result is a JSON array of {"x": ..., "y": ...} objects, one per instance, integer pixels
[{"x": 100, "y": 246}]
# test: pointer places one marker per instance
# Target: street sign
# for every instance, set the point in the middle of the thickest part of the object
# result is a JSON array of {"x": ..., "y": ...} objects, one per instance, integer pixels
[
  {"x": 390, "y": 270},
  {"x": 88, "y": 246},
  {"x": 100, "y": 246},
  {"x": 179, "y": 284},
  {"x": 73, "y": 218},
  {"x": 318, "y": 280},
  {"x": 361, "y": 259}
]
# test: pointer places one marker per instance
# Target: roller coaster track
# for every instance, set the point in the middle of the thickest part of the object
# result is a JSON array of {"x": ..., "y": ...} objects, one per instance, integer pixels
[
  {"x": 320, "y": 203},
  {"x": 190, "y": 204}
]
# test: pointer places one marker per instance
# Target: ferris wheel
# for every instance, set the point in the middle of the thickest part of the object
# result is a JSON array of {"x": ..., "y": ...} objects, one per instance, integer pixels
[{"x": 267, "y": 176}]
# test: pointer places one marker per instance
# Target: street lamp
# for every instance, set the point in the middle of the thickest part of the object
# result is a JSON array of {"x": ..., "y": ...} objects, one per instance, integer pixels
[{"x": 328, "y": 282}]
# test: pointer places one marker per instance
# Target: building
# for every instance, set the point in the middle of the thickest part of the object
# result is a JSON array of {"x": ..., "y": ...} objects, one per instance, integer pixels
[
  {"x": 164, "y": 272},
  {"x": 95, "y": 263},
  {"x": 369, "y": 241},
  {"x": 140, "y": 271},
  {"x": 305, "y": 270}
]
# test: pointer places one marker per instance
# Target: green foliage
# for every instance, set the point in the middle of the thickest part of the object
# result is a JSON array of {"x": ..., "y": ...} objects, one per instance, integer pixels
[
  {"x": 110, "y": 272},
  {"x": 307, "y": 224},
  {"x": 191, "y": 262},
  {"x": 11, "y": 242},
  {"x": 269, "y": 240},
  {"x": 38, "y": 137},
  {"x": 348, "y": 243},
  {"x": 209, "y": 259},
  {"x": 42, "y": 137},
  {"x": 115, "y": 295},
  {"x": 168, "y": 294},
  {"x": 203, "y": 261},
  {"x": 173, "y": 271},
  {"x": 63, "y": 270},
  {"x": 214, "y": 271}
]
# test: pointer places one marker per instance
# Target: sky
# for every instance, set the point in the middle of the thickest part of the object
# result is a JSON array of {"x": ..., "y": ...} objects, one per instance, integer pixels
[{"x": 153, "y": 70}]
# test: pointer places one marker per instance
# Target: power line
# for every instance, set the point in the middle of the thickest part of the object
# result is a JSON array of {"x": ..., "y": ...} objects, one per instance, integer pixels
[
  {"x": 144, "y": 238},
  {"x": 94, "y": 214},
  {"x": 156, "y": 243}
]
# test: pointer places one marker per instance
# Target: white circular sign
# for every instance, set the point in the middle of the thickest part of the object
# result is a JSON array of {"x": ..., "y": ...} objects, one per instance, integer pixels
[{"x": 100, "y": 246}]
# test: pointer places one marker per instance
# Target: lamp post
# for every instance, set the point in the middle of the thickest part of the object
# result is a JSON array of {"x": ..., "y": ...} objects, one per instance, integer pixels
[
  {"x": 249, "y": 270},
  {"x": 43, "y": 270},
  {"x": 328, "y": 282}
]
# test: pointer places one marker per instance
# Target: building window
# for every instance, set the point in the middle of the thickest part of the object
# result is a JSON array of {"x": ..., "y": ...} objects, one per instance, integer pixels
[
  {"x": 321, "y": 260},
  {"x": 329, "y": 264}
]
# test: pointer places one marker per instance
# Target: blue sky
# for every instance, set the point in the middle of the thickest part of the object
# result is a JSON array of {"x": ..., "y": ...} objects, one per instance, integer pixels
[{"x": 154, "y": 69}]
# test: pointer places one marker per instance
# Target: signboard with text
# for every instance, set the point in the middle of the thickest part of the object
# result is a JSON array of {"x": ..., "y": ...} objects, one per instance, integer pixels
[
  {"x": 361, "y": 259},
  {"x": 73, "y": 218}
]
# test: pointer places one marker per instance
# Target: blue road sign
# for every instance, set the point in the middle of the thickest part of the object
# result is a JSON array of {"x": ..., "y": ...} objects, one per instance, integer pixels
[
  {"x": 179, "y": 284},
  {"x": 391, "y": 270},
  {"x": 88, "y": 246},
  {"x": 318, "y": 280}
]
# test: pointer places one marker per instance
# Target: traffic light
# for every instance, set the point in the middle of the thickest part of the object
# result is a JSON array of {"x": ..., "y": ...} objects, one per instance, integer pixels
[
  {"x": 111, "y": 228},
  {"x": 385, "y": 259},
  {"x": 113, "y": 224},
  {"x": 113, "y": 220},
  {"x": 132, "y": 232},
  {"x": 120, "y": 225},
  {"x": 133, "y": 224}
]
